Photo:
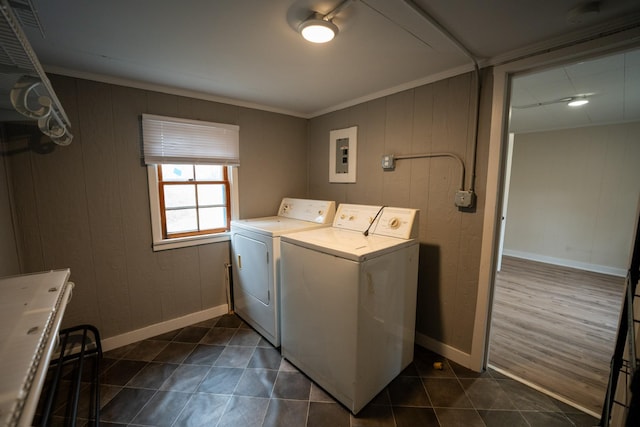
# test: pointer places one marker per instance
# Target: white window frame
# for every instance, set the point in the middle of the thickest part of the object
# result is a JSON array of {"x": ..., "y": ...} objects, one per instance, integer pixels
[{"x": 159, "y": 242}]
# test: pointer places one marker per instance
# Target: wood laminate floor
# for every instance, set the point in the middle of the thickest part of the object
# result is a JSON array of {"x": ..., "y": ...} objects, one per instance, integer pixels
[{"x": 555, "y": 327}]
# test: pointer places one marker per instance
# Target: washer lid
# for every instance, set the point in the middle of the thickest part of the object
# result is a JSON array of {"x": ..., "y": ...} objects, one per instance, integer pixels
[
  {"x": 273, "y": 226},
  {"x": 348, "y": 244}
]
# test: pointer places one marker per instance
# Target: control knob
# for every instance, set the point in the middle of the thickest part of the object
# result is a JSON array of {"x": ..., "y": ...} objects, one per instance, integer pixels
[{"x": 394, "y": 223}]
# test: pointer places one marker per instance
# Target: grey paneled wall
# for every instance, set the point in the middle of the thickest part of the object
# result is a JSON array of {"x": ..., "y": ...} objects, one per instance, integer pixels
[
  {"x": 274, "y": 164},
  {"x": 8, "y": 251},
  {"x": 433, "y": 118},
  {"x": 86, "y": 206}
]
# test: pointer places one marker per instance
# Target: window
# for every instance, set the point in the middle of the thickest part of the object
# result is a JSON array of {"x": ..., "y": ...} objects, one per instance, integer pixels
[
  {"x": 194, "y": 199},
  {"x": 192, "y": 191}
]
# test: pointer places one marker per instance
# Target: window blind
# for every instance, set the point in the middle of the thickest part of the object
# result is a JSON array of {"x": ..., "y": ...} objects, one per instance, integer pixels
[{"x": 169, "y": 140}]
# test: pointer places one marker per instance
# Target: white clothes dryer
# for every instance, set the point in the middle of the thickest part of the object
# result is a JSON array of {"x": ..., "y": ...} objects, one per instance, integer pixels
[
  {"x": 348, "y": 300},
  {"x": 255, "y": 246}
]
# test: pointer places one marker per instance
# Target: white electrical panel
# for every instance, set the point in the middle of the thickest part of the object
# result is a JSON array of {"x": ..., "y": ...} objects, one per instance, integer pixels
[{"x": 342, "y": 154}]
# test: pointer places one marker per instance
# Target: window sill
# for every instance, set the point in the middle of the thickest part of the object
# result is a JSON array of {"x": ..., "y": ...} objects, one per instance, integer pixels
[{"x": 183, "y": 242}]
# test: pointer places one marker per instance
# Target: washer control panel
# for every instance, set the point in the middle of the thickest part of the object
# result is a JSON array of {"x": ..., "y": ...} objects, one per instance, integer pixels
[
  {"x": 385, "y": 221},
  {"x": 397, "y": 222},
  {"x": 318, "y": 211},
  {"x": 355, "y": 217}
]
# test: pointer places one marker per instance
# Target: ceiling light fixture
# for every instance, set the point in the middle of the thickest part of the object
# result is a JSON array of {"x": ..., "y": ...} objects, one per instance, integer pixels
[
  {"x": 572, "y": 101},
  {"x": 318, "y": 29},
  {"x": 577, "y": 101}
]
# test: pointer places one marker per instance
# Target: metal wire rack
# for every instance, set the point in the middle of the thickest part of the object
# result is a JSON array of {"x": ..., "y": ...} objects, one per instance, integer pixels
[{"x": 32, "y": 94}]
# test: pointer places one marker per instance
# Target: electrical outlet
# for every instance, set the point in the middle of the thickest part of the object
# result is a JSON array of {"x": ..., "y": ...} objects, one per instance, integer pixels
[
  {"x": 465, "y": 199},
  {"x": 388, "y": 162}
]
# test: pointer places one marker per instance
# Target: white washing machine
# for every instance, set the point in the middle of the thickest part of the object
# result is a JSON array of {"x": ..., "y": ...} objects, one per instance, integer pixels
[
  {"x": 348, "y": 300},
  {"x": 255, "y": 246}
]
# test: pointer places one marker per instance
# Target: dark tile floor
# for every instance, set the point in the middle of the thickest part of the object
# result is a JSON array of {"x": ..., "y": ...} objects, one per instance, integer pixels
[{"x": 222, "y": 373}]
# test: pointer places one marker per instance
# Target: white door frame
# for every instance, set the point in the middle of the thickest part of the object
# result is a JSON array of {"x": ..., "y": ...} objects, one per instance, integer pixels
[
  {"x": 505, "y": 201},
  {"x": 495, "y": 169}
]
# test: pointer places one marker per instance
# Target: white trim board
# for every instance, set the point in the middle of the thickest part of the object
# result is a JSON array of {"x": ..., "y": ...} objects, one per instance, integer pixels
[
  {"x": 444, "y": 350},
  {"x": 596, "y": 268},
  {"x": 162, "y": 327},
  {"x": 544, "y": 391}
]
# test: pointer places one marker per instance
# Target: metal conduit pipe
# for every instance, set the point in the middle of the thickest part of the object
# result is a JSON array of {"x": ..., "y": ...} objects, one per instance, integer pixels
[
  {"x": 425, "y": 15},
  {"x": 332, "y": 14},
  {"x": 429, "y": 155}
]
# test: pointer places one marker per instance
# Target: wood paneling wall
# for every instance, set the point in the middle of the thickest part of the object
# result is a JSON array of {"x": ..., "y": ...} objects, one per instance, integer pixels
[
  {"x": 86, "y": 206},
  {"x": 437, "y": 117},
  {"x": 9, "y": 265}
]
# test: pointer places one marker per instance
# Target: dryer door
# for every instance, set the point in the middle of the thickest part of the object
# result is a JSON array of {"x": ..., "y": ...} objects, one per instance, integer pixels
[{"x": 251, "y": 264}]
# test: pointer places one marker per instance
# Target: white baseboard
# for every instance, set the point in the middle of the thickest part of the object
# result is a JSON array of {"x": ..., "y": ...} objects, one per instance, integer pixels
[
  {"x": 444, "y": 350},
  {"x": 162, "y": 327},
  {"x": 596, "y": 268},
  {"x": 545, "y": 391}
]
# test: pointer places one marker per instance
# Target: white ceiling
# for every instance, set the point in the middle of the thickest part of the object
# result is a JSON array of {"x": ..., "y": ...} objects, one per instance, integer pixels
[
  {"x": 249, "y": 52},
  {"x": 611, "y": 84}
]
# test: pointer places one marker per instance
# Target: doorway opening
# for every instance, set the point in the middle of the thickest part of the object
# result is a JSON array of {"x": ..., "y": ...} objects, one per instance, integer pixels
[{"x": 570, "y": 196}]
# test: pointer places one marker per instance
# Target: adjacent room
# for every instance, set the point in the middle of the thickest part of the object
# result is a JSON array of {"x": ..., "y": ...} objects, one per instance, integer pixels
[{"x": 567, "y": 229}]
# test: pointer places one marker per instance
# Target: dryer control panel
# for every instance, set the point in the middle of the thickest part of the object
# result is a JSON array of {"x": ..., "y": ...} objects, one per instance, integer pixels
[{"x": 318, "y": 211}]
